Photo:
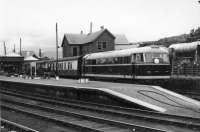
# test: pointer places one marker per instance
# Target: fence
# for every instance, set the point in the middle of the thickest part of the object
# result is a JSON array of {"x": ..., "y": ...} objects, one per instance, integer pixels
[{"x": 193, "y": 70}]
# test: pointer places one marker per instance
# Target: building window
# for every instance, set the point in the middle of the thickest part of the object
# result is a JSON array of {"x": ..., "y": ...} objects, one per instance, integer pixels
[
  {"x": 101, "y": 45},
  {"x": 104, "y": 45},
  {"x": 75, "y": 51}
]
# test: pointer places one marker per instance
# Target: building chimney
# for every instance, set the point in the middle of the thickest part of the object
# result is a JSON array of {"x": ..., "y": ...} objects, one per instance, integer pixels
[
  {"x": 102, "y": 27},
  {"x": 81, "y": 31},
  {"x": 90, "y": 27}
]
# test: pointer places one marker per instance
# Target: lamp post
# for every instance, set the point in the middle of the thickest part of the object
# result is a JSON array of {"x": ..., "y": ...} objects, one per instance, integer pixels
[{"x": 56, "y": 49}]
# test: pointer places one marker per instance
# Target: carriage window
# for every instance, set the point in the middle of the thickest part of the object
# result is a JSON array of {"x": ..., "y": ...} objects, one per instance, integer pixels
[
  {"x": 64, "y": 65},
  {"x": 69, "y": 65},
  {"x": 126, "y": 60},
  {"x": 120, "y": 60},
  {"x": 93, "y": 62},
  {"x": 139, "y": 57}
]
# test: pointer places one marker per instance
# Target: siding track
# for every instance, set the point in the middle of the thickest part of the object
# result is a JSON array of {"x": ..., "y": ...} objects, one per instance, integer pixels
[{"x": 130, "y": 119}]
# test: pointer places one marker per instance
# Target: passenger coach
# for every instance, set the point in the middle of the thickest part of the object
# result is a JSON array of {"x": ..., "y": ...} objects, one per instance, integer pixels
[
  {"x": 138, "y": 63},
  {"x": 67, "y": 67}
]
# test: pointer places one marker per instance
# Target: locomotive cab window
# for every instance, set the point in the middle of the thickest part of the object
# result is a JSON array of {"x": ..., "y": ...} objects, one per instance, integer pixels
[
  {"x": 163, "y": 57},
  {"x": 138, "y": 57}
]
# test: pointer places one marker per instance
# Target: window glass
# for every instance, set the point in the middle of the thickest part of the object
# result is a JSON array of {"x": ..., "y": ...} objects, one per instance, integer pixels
[
  {"x": 99, "y": 46},
  {"x": 163, "y": 57},
  {"x": 126, "y": 59},
  {"x": 75, "y": 52},
  {"x": 139, "y": 57},
  {"x": 104, "y": 45},
  {"x": 93, "y": 62}
]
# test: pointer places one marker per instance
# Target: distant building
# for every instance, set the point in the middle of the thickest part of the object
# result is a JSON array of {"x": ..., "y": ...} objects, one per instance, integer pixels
[
  {"x": 81, "y": 44},
  {"x": 121, "y": 42},
  {"x": 11, "y": 63},
  {"x": 27, "y": 53}
]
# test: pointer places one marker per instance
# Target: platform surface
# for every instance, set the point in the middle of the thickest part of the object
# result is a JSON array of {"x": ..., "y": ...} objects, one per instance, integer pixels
[{"x": 153, "y": 97}]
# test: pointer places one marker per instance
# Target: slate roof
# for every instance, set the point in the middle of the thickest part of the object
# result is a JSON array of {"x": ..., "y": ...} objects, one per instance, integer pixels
[
  {"x": 13, "y": 54},
  {"x": 84, "y": 38}
]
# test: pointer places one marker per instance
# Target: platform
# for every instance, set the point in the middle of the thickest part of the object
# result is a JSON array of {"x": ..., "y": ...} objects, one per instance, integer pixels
[{"x": 152, "y": 97}]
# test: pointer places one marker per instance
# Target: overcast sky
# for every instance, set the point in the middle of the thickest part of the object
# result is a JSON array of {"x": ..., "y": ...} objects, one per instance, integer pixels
[{"x": 139, "y": 20}]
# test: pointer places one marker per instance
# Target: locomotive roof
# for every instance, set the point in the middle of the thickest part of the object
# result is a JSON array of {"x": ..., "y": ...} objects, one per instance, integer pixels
[
  {"x": 126, "y": 52},
  {"x": 185, "y": 47}
]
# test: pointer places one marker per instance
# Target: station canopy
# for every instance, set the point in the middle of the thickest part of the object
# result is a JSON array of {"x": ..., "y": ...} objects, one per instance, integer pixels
[
  {"x": 30, "y": 58},
  {"x": 11, "y": 57}
]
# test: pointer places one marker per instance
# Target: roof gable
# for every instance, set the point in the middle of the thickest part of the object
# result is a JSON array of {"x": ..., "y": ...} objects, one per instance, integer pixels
[{"x": 83, "y": 38}]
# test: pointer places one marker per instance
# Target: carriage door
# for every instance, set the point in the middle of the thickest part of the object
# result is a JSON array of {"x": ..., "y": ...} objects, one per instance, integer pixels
[{"x": 133, "y": 62}]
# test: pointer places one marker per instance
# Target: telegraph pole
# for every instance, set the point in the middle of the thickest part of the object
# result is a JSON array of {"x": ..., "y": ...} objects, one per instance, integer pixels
[
  {"x": 56, "y": 49},
  {"x": 14, "y": 49},
  {"x": 20, "y": 46},
  {"x": 4, "y": 47}
]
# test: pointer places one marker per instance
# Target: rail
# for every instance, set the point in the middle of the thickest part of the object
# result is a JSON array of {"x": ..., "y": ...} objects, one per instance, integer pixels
[
  {"x": 178, "y": 121},
  {"x": 16, "y": 126}
]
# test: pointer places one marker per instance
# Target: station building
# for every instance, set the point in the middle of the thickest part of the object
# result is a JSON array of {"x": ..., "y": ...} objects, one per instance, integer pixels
[
  {"x": 81, "y": 44},
  {"x": 11, "y": 63},
  {"x": 102, "y": 40}
]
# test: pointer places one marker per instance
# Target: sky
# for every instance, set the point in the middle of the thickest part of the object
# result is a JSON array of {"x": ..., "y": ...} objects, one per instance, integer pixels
[{"x": 140, "y": 20}]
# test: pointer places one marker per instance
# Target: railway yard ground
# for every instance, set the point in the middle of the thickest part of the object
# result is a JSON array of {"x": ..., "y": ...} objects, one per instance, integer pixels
[{"x": 155, "y": 108}]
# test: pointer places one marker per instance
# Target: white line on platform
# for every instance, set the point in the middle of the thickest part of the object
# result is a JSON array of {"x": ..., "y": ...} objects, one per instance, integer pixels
[
  {"x": 177, "y": 95},
  {"x": 140, "y": 102}
]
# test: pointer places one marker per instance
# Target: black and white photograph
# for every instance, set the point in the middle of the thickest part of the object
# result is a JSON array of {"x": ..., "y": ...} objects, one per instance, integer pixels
[{"x": 100, "y": 65}]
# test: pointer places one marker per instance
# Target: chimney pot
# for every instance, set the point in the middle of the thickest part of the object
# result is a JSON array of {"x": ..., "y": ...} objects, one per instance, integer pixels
[
  {"x": 102, "y": 27},
  {"x": 90, "y": 27}
]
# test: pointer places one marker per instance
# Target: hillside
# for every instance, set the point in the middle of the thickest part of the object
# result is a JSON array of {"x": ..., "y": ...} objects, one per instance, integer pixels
[{"x": 194, "y": 35}]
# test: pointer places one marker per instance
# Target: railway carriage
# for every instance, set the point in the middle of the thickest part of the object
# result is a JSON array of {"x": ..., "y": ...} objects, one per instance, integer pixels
[
  {"x": 67, "y": 67},
  {"x": 138, "y": 63}
]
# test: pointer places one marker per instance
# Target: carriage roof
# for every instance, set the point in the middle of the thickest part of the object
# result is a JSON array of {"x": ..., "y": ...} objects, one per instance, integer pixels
[
  {"x": 185, "y": 47},
  {"x": 126, "y": 52},
  {"x": 59, "y": 60}
]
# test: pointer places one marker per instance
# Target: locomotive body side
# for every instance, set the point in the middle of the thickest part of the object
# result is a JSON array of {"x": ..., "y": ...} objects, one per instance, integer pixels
[{"x": 137, "y": 63}]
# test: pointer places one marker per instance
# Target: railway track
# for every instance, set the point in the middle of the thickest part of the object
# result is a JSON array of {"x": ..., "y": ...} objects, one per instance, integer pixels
[
  {"x": 7, "y": 125},
  {"x": 129, "y": 116},
  {"x": 86, "y": 122}
]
